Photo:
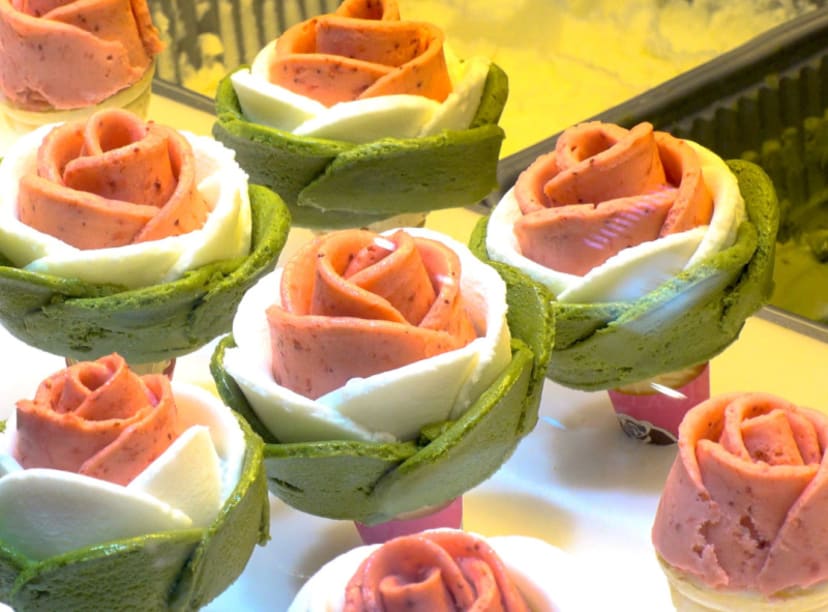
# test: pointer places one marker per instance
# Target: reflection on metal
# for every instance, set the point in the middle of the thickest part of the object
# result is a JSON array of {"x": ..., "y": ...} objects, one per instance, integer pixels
[
  {"x": 800, "y": 325},
  {"x": 207, "y": 38}
]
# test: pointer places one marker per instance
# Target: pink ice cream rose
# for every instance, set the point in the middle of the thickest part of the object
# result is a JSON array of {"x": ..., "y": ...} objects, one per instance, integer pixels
[{"x": 745, "y": 502}]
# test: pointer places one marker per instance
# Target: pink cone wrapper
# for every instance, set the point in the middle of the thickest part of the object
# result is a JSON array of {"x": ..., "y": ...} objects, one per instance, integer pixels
[
  {"x": 449, "y": 516},
  {"x": 654, "y": 416}
]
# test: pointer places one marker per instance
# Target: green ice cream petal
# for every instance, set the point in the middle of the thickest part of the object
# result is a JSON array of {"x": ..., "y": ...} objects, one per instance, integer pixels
[
  {"x": 271, "y": 157},
  {"x": 394, "y": 176},
  {"x": 11, "y": 565},
  {"x": 85, "y": 321},
  {"x": 371, "y": 481},
  {"x": 107, "y": 577},
  {"x": 601, "y": 346},
  {"x": 324, "y": 181},
  {"x": 469, "y": 451},
  {"x": 176, "y": 570},
  {"x": 226, "y": 546}
]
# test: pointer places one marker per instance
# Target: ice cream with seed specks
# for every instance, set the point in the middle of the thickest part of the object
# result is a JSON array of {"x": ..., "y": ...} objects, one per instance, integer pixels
[
  {"x": 111, "y": 181},
  {"x": 66, "y": 55},
  {"x": 98, "y": 419},
  {"x": 386, "y": 443},
  {"x": 361, "y": 51},
  {"x": 124, "y": 491},
  {"x": 144, "y": 455},
  {"x": 605, "y": 189},
  {"x": 369, "y": 336},
  {"x": 741, "y": 518},
  {"x": 354, "y": 305}
]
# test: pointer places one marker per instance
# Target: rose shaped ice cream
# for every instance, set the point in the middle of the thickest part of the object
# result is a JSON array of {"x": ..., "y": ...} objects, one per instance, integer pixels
[
  {"x": 612, "y": 213},
  {"x": 640, "y": 275},
  {"x": 171, "y": 525},
  {"x": 409, "y": 438},
  {"x": 112, "y": 227},
  {"x": 358, "y": 322},
  {"x": 113, "y": 199},
  {"x": 112, "y": 181},
  {"x": 744, "y": 504},
  {"x": 97, "y": 419},
  {"x": 446, "y": 570},
  {"x": 59, "y": 54},
  {"x": 356, "y": 116}
]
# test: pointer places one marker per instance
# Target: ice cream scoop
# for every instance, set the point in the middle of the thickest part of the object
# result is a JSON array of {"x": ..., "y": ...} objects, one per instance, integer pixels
[
  {"x": 413, "y": 437},
  {"x": 741, "y": 511},
  {"x": 418, "y": 130},
  {"x": 150, "y": 300},
  {"x": 169, "y": 529},
  {"x": 665, "y": 304}
]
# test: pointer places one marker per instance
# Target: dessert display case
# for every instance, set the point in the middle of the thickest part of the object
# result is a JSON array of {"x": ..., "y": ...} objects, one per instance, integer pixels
[
  {"x": 576, "y": 481},
  {"x": 767, "y": 102}
]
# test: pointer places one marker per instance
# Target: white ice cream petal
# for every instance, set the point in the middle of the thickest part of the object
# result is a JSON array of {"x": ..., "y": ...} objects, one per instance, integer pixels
[
  {"x": 457, "y": 111},
  {"x": 268, "y": 104},
  {"x": 547, "y": 577},
  {"x": 50, "y": 512},
  {"x": 392, "y": 405},
  {"x": 187, "y": 476},
  {"x": 360, "y": 121},
  {"x": 637, "y": 270},
  {"x": 47, "y": 512},
  {"x": 226, "y": 233},
  {"x": 197, "y": 406}
]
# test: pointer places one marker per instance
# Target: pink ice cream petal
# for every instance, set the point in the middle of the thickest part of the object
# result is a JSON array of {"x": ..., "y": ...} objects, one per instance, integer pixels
[
  {"x": 314, "y": 355},
  {"x": 363, "y": 50},
  {"x": 106, "y": 427},
  {"x": 110, "y": 181}
]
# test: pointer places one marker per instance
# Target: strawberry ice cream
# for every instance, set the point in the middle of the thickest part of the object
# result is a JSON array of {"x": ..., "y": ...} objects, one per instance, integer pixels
[
  {"x": 605, "y": 188},
  {"x": 112, "y": 180},
  {"x": 354, "y": 304},
  {"x": 743, "y": 509},
  {"x": 362, "y": 50},
  {"x": 98, "y": 419},
  {"x": 59, "y": 54}
]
